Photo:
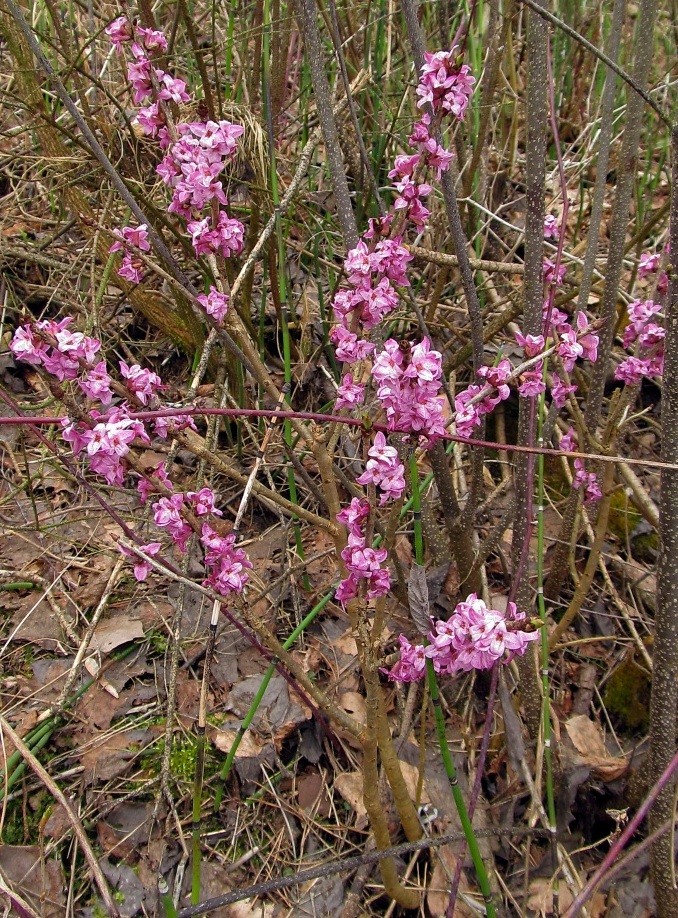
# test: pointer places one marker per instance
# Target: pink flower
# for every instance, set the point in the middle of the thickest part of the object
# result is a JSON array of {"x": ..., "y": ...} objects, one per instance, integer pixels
[
  {"x": 215, "y": 304},
  {"x": 474, "y": 637},
  {"x": 25, "y": 346},
  {"x": 648, "y": 264},
  {"x": 131, "y": 269},
  {"x": 569, "y": 348},
  {"x": 384, "y": 469},
  {"x": 532, "y": 383},
  {"x": 77, "y": 436},
  {"x": 568, "y": 442},
  {"x": 550, "y": 274},
  {"x": 353, "y": 515},
  {"x": 119, "y": 31},
  {"x": 632, "y": 370},
  {"x": 167, "y": 515},
  {"x": 136, "y": 236},
  {"x": 412, "y": 664},
  {"x": 151, "y": 39},
  {"x": 171, "y": 89},
  {"x": 97, "y": 384},
  {"x": 349, "y": 394},
  {"x": 531, "y": 344},
  {"x": 203, "y": 502},
  {"x": 146, "y": 486},
  {"x": 229, "y": 565},
  {"x": 586, "y": 480},
  {"x": 551, "y": 227},
  {"x": 144, "y": 383},
  {"x": 497, "y": 376},
  {"x": 560, "y": 391},
  {"x": 588, "y": 341},
  {"x": 444, "y": 84},
  {"x": 348, "y": 348},
  {"x": 151, "y": 119},
  {"x": 142, "y": 568}
]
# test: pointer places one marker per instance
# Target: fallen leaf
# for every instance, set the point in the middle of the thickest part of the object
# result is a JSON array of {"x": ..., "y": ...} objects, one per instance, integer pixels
[
  {"x": 111, "y": 756},
  {"x": 37, "y": 879},
  {"x": 353, "y": 703},
  {"x": 540, "y": 896},
  {"x": 250, "y": 746},
  {"x": 417, "y": 595},
  {"x": 411, "y": 777},
  {"x": 350, "y": 786},
  {"x": 587, "y": 738},
  {"x": 112, "y": 632},
  {"x": 278, "y": 714},
  {"x": 312, "y": 794},
  {"x": 93, "y": 582},
  {"x": 129, "y": 891}
]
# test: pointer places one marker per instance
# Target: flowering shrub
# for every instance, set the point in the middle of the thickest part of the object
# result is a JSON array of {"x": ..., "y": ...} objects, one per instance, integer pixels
[
  {"x": 402, "y": 380},
  {"x": 196, "y": 155}
]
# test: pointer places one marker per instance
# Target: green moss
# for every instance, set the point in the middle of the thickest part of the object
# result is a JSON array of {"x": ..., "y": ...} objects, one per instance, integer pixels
[
  {"x": 182, "y": 758},
  {"x": 623, "y": 516},
  {"x": 646, "y": 546},
  {"x": 627, "y": 696}
]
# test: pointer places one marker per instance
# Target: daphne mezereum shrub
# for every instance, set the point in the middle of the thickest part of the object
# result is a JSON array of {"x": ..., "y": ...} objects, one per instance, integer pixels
[{"x": 400, "y": 380}]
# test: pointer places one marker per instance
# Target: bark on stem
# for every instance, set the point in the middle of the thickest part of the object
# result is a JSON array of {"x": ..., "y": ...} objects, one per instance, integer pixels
[
  {"x": 535, "y": 167},
  {"x": 663, "y": 722},
  {"x": 321, "y": 90}
]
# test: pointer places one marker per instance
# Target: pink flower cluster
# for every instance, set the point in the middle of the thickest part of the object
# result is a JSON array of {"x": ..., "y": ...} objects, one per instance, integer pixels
[
  {"x": 196, "y": 154},
  {"x": 167, "y": 515},
  {"x": 227, "y": 564},
  {"x": 132, "y": 268},
  {"x": 53, "y": 346},
  {"x": 574, "y": 343},
  {"x": 407, "y": 377},
  {"x": 648, "y": 338},
  {"x": 649, "y": 264},
  {"x": 363, "y": 564},
  {"x": 215, "y": 304},
  {"x": 409, "y": 383},
  {"x": 478, "y": 400},
  {"x": 384, "y": 469},
  {"x": 474, "y": 637},
  {"x": 551, "y": 227},
  {"x": 444, "y": 83},
  {"x": 371, "y": 295},
  {"x": 570, "y": 343},
  {"x": 105, "y": 443}
]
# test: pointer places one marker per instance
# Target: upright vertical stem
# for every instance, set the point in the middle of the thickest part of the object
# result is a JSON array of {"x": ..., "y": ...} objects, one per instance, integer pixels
[
  {"x": 664, "y": 699},
  {"x": 321, "y": 90},
  {"x": 626, "y": 176},
  {"x": 535, "y": 168}
]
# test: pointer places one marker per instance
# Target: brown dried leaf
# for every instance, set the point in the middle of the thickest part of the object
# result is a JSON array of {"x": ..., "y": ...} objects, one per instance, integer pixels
[
  {"x": 37, "y": 879},
  {"x": 111, "y": 756},
  {"x": 93, "y": 582},
  {"x": 587, "y": 738},
  {"x": 417, "y": 595},
  {"x": 354, "y": 703},
  {"x": 350, "y": 786},
  {"x": 312, "y": 794},
  {"x": 540, "y": 896},
  {"x": 120, "y": 629},
  {"x": 250, "y": 747}
]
